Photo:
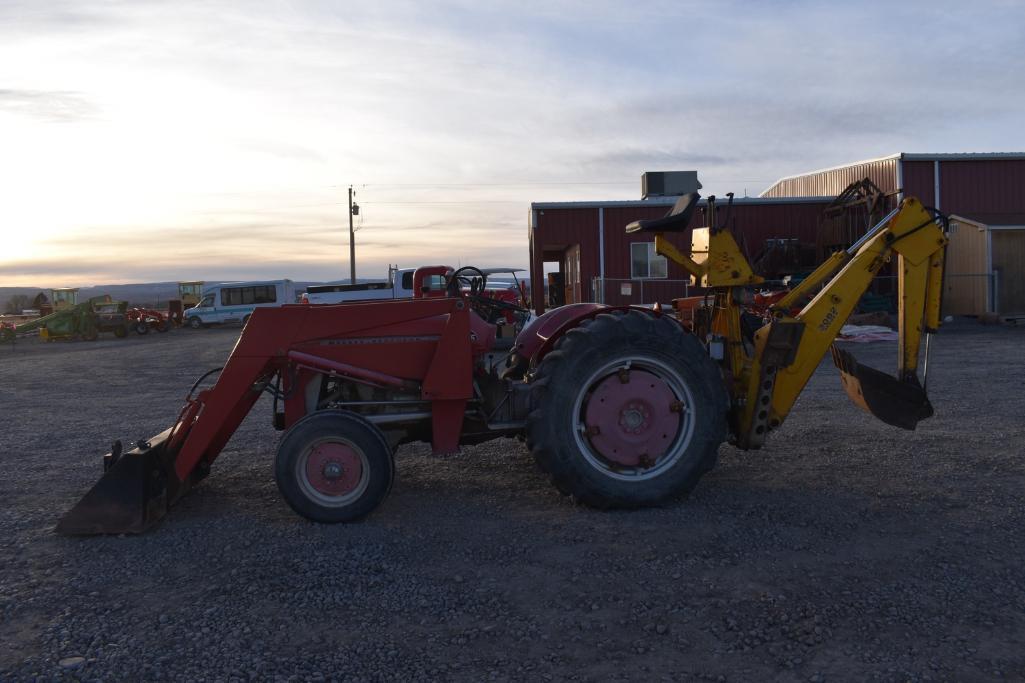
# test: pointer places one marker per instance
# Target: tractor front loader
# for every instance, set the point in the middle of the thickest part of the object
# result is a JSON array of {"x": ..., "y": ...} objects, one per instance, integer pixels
[{"x": 621, "y": 407}]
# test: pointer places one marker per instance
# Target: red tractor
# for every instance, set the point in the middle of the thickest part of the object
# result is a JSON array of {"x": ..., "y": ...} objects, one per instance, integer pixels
[
  {"x": 352, "y": 381},
  {"x": 142, "y": 320},
  {"x": 622, "y": 407}
]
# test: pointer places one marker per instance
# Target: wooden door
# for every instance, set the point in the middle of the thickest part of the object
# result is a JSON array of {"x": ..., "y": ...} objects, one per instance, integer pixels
[{"x": 1009, "y": 264}]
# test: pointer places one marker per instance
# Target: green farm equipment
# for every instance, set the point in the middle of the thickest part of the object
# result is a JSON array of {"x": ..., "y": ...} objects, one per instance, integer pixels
[{"x": 82, "y": 321}]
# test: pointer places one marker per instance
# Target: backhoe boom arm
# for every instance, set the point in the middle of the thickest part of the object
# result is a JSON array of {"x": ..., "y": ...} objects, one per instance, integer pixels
[{"x": 774, "y": 383}]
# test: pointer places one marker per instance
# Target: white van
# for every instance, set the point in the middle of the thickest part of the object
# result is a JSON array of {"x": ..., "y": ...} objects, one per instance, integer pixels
[{"x": 235, "y": 301}]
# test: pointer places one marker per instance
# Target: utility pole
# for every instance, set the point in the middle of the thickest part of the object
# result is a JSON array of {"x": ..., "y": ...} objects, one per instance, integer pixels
[{"x": 352, "y": 243}]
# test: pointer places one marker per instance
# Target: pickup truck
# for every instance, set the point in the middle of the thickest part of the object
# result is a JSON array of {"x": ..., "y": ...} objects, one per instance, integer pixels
[{"x": 398, "y": 286}]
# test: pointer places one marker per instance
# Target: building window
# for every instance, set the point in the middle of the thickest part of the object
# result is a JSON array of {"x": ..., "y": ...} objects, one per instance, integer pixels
[
  {"x": 240, "y": 296},
  {"x": 645, "y": 263}
]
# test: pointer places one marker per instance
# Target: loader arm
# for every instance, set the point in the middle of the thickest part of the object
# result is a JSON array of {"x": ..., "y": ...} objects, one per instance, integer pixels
[{"x": 421, "y": 345}]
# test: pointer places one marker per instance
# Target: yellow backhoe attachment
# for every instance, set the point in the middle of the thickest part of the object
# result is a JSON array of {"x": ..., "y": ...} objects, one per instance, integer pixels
[{"x": 767, "y": 376}]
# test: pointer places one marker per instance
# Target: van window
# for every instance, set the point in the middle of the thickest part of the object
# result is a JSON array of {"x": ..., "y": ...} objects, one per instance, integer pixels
[
  {"x": 207, "y": 301},
  {"x": 238, "y": 296}
]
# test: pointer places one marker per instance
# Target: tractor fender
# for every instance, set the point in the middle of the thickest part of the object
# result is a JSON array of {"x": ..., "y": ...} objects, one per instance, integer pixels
[{"x": 540, "y": 335}]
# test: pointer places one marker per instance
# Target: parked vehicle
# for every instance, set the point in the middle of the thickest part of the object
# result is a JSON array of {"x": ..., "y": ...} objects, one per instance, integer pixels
[
  {"x": 144, "y": 319},
  {"x": 234, "y": 302},
  {"x": 399, "y": 285},
  {"x": 110, "y": 317},
  {"x": 190, "y": 293},
  {"x": 81, "y": 321},
  {"x": 513, "y": 292}
]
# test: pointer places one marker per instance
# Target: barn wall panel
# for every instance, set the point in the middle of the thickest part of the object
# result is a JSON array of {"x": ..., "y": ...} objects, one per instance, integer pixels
[
  {"x": 990, "y": 191},
  {"x": 918, "y": 181}
]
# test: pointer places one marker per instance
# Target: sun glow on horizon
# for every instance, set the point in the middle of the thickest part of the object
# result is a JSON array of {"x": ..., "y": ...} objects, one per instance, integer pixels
[{"x": 151, "y": 141}]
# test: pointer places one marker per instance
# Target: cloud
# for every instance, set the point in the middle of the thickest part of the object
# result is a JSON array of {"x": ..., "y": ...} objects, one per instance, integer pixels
[
  {"x": 284, "y": 150},
  {"x": 54, "y": 106},
  {"x": 229, "y": 134}
]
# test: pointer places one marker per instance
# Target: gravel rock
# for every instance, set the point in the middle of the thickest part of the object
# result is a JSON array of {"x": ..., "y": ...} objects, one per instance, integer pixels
[
  {"x": 71, "y": 662},
  {"x": 843, "y": 550}
]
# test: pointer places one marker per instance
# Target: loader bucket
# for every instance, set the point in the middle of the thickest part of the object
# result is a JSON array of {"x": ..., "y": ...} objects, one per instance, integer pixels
[
  {"x": 899, "y": 403},
  {"x": 132, "y": 495}
]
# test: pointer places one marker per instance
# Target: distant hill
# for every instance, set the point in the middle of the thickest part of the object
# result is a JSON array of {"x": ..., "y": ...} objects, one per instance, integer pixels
[{"x": 152, "y": 294}]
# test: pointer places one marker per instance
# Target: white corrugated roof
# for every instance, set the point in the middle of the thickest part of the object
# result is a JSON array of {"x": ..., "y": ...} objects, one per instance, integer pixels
[
  {"x": 912, "y": 156},
  {"x": 962, "y": 156},
  {"x": 669, "y": 201}
]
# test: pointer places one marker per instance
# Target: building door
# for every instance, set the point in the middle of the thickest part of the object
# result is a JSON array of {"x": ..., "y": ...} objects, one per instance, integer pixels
[
  {"x": 574, "y": 293},
  {"x": 1008, "y": 247},
  {"x": 556, "y": 290}
]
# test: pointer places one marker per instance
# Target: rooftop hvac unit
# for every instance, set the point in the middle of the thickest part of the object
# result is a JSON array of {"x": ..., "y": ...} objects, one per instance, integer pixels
[{"x": 668, "y": 183}]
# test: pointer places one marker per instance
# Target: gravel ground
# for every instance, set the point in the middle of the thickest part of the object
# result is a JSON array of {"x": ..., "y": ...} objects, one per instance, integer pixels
[{"x": 844, "y": 550}]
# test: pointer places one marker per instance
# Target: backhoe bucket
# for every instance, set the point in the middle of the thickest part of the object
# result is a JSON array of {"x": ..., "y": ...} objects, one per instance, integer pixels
[
  {"x": 132, "y": 495},
  {"x": 899, "y": 403}
]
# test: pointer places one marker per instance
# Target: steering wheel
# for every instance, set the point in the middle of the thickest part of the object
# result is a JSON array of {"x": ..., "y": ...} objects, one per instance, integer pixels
[
  {"x": 488, "y": 308},
  {"x": 475, "y": 283}
]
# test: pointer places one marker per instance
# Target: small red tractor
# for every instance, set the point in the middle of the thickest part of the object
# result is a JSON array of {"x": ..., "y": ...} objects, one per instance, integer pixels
[
  {"x": 142, "y": 320},
  {"x": 622, "y": 407}
]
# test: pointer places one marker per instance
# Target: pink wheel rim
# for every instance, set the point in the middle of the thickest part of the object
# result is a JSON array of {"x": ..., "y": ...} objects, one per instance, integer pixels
[
  {"x": 334, "y": 469},
  {"x": 632, "y": 419}
]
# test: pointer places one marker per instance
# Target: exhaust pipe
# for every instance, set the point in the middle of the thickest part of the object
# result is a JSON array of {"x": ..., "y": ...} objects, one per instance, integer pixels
[{"x": 901, "y": 403}]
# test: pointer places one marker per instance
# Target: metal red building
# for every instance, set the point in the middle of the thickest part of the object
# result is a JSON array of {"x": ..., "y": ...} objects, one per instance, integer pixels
[
  {"x": 986, "y": 189},
  {"x": 599, "y": 261}
]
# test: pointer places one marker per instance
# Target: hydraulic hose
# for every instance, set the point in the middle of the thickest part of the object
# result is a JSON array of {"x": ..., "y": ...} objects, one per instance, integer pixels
[{"x": 188, "y": 397}]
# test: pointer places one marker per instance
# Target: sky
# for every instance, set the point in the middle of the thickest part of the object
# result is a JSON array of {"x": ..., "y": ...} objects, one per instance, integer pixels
[{"x": 149, "y": 141}]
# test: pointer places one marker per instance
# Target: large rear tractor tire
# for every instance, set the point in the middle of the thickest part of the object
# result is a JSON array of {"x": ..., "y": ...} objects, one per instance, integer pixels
[
  {"x": 334, "y": 466},
  {"x": 141, "y": 327},
  {"x": 628, "y": 411}
]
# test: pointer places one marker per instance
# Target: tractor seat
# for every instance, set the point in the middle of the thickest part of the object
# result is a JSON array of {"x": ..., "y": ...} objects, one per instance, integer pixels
[{"x": 676, "y": 220}]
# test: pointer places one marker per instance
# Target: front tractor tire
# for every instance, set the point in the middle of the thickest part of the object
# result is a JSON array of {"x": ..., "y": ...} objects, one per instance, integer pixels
[
  {"x": 334, "y": 466},
  {"x": 628, "y": 411}
]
